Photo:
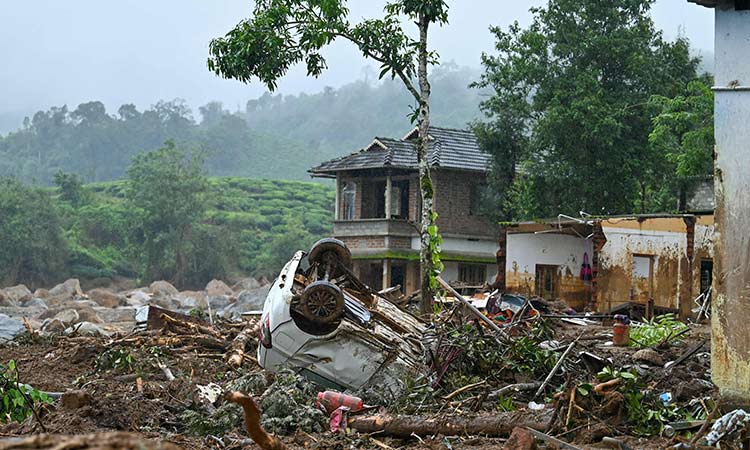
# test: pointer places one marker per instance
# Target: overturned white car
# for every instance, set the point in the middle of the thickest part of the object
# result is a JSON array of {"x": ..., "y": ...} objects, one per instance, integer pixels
[{"x": 322, "y": 322}]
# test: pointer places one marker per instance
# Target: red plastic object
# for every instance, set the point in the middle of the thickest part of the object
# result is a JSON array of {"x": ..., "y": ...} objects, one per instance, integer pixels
[
  {"x": 621, "y": 334},
  {"x": 331, "y": 401}
]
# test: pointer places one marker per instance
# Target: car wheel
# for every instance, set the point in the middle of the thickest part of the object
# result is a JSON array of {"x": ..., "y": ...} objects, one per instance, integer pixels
[
  {"x": 322, "y": 303},
  {"x": 329, "y": 253}
]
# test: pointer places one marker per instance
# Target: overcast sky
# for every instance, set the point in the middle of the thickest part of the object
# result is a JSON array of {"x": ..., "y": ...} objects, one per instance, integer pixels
[{"x": 55, "y": 52}]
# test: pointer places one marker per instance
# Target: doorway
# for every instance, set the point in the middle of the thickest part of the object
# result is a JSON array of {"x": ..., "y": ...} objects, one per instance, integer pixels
[
  {"x": 642, "y": 287},
  {"x": 547, "y": 281}
]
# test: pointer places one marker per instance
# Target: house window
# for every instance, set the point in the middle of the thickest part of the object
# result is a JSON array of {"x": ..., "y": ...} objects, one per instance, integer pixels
[
  {"x": 349, "y": 194},
  {"x": 475, "y": 199},
  {"x": 472, "y": 274}
]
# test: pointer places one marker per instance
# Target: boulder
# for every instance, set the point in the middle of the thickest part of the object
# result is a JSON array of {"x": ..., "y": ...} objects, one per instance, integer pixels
[
  {"x": 252, "y": 300},
  {"x": 6, "y": 301},
  {"x": 87, "y": 329},
  {"x": 115, "y": 315},
  {"x": 219, "y": 301},
  {"x": 35, "y": 302},
  {"x": 162, "y": 289},
  {"x": 649, "y": 356},
  {"x": 88, "y": 314},
  {"x": 218, "y": 287},
  {"x": 137, "y": 298},
  {"x": 192, "y": 299},
  {"x": 246, "y": 284},
  {"x": 68, "y": 290},
  {"x": 41, "y": 293},
  {"x": 68, "y": 316},
  {"x": 106, "y": 298},
  {"x": 10, "y": 328},
  {"x": 17, "y": 294}
]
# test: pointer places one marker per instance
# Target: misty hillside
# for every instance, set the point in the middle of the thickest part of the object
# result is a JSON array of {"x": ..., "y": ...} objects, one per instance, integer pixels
[{"x": 275, "y": 137}]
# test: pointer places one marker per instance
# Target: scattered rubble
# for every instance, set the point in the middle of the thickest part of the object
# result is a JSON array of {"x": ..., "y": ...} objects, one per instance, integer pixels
[{"x": 159, "y": 368}]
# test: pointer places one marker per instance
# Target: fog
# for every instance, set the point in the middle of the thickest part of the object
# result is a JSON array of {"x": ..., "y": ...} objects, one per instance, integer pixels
[{"x": 138, "y": 51}]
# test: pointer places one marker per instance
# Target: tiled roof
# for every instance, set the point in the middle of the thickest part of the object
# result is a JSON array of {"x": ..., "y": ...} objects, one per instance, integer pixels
[{"x": 448, "y": 149}]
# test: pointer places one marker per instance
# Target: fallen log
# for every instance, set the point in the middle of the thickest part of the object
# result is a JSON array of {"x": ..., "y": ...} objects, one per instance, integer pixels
[
  {"x": 500, "y": 424},
  {"x": 252, "y": 422},
  {"x": 236, "y": 354}
]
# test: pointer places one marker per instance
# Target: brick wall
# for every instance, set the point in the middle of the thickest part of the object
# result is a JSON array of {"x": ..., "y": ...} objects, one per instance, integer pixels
[
  {"x": 453, "y": 198},
  {"x": 364, "y": 242}
]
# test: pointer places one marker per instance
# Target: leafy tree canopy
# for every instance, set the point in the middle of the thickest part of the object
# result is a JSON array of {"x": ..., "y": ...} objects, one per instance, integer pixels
[{"x": 571, "y": 110}]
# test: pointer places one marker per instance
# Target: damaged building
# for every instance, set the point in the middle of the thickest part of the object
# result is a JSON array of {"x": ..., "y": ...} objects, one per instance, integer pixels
[
  {"x": 603, "y": 263},
  {"x": 378, "y": 204}
]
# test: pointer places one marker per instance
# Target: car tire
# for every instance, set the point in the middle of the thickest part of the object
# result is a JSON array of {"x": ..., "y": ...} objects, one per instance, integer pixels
[
  {"x": 330, "y": 250},
  {"x": 322, "y": 303}
]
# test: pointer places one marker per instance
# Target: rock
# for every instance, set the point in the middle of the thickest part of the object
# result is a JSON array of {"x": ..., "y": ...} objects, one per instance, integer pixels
[
  {"x": 219, "y": 301},
  {"x": 520, "y": 439},
  {"x": 68, "y": 290},
  {"x": 649, "y": 356},
  {"x": 68, "y": 316},
  {"x": 246, "y": 284},
  {"x": 162, "y": 289},
  {"x": 137, "y": 298},
  {"x": 75, "y": 399},
  {"x": 192, "y": 299},
  {"x": 35, "y": 303},
  {"x": 10, "y": 328},
  {"x": 218, "y": 287},
  {"x": 5, "y": 301},
  {"x": 252, "y": 300},
  {"x": 53, "y": 326},
  {"x": 106, "y": 298},
  {"x": 88, "y": 314},
  {"x": 115, "y": 315},
  {"x": 41, "y": 293},
  {"x": 87, "y": 329},
  {"x": 17, "y": 294},
  {"x": 696, "y": 388}
]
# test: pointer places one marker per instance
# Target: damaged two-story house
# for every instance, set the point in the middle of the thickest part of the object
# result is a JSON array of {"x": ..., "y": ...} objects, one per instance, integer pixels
[{"x": 378, "y": 209}]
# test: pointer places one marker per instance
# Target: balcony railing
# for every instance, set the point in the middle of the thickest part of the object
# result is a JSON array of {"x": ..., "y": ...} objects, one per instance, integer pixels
[{"x": 373, "y": 227}]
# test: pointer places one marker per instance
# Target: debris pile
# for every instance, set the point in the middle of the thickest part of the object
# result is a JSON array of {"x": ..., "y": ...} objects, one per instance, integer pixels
[{"x": 339, "y": 365}]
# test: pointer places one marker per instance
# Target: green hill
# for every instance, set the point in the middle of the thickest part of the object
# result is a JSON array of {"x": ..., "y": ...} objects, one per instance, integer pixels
[{"x": 258, "y": 224}]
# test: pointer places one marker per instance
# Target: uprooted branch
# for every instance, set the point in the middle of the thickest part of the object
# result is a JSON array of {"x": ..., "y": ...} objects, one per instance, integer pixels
[{"x": 252, "y": 422}]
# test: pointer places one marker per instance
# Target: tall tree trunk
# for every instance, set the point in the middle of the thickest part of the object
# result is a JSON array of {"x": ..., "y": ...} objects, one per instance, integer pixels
[{"x": 425, "y": 181}]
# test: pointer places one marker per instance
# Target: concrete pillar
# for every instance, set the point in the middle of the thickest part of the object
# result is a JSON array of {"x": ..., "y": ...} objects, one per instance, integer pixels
[
  {"x": 386, "y": 273},
  {"x": 730, "y": 315},
  {"x": 337, "y": 202},
  {"x": 388, "y": 196}
]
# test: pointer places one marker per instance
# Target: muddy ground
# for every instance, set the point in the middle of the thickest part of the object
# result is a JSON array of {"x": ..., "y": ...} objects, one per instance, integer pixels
[{"x": 116, "y": 384}]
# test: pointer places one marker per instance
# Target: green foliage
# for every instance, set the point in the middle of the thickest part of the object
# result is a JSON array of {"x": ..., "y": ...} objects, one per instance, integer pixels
[
  {"x": 249, "y": 227},
  {"x": 272, "y": 136},
  {"x": 646, "y": 412},
  {"x": 71, "y": 188},
  {"x": 115, "y": 359},
  {"x": 168, "y": 190},
  {"x": 571, "y": 108},
  {"x": 18, "y": 400},
  {"x": 684, "y": 129},
  {"x": 32, "y": 243},
  {"x": 660, "y": 329},
  {"x": 436, "y": 242}
]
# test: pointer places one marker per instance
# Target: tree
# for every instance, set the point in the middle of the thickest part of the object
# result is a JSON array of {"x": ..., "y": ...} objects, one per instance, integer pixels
[
  {"x": 71, "y": 188},
  {"x": 33, "y": 248},
  {"x": 169, "y": 189},
  {"x": 282, "y": 33},
  {"x": 572, "y": 99},
  {"x": 684, "y": 129}
]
